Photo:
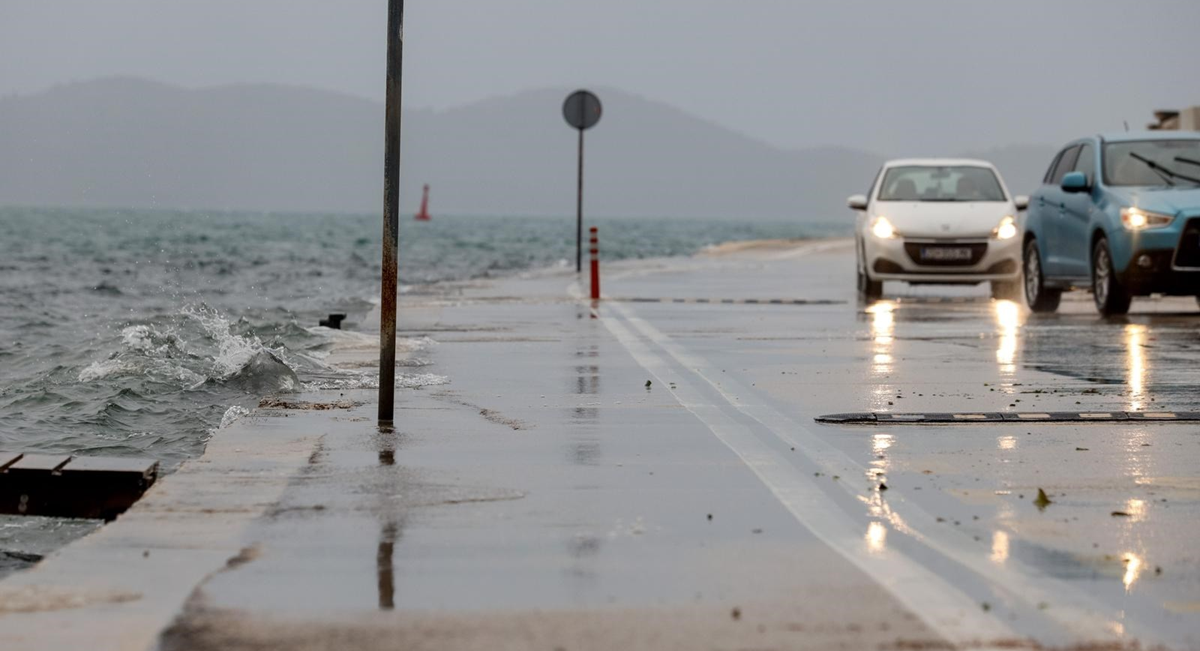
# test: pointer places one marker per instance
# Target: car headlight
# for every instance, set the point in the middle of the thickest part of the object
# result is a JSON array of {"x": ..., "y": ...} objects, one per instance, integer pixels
[
  {"x": 883, "y": 229},
  {"x": 1136, "y": 219},
  {"x": 1006, "y": 229}
]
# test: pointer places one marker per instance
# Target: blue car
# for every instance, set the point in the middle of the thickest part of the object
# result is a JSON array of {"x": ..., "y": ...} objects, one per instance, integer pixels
[{"x": 1119, "y": 215}]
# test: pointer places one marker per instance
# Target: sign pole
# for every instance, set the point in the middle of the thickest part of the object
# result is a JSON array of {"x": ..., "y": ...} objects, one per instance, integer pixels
[
  {"x": 391, "y": 212},
  {"x": 581, "y": 111},
  {"x": 579, "y": 211}
]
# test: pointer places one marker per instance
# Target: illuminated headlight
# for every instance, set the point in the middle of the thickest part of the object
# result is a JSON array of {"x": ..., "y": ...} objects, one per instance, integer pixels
[
  {"x": 883, "y": 229},
  {"x": 1006, "y": 229},
  {"x": 1136, "y": 219}
]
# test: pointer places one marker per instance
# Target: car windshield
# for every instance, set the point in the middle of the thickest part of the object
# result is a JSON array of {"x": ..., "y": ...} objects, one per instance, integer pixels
[
  {"x": 1152, "y": 162},
  {"x": 941, "y": 183}
]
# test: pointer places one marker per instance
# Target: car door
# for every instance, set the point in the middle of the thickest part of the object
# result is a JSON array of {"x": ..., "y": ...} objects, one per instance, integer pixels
[
  {"x": 1074, "y": 239},
  {"x": 1050, "y": 205}
]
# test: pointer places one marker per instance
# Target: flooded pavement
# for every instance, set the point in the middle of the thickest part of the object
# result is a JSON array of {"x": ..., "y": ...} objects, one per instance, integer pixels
[{"x": 648, "y": 474}]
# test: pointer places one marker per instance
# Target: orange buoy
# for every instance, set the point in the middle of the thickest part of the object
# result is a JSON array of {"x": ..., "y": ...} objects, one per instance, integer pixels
[{"x": 423, "y": 216}]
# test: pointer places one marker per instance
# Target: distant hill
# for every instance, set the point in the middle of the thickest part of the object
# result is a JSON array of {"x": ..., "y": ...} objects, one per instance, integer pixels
[{"x": 126, "y": 142}]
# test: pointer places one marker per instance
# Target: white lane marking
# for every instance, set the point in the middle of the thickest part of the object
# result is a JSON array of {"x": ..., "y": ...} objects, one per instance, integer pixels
[
  {"x": 947, "y": 610},
  {"x": 1074, "y": 611}
]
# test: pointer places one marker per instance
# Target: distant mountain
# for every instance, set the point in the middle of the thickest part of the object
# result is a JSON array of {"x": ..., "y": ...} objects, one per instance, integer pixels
[{"x": 125, "y": 142}]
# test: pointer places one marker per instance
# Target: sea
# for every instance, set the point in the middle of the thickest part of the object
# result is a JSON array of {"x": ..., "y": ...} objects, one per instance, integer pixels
[{"x": 138, "y": 333}]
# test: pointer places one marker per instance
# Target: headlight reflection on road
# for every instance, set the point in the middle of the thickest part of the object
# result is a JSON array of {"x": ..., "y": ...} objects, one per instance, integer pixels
[
  {"x": 883, "y": 323},
  {"x": 1008, "y": 323},
  {"x": 1133, "y": 569},
  {"x": 876, "y": 537},
  {"x": 1135, "y": 340},
  {"x": 999, "y": 547},
  {"x": 1136, "y": 510}
]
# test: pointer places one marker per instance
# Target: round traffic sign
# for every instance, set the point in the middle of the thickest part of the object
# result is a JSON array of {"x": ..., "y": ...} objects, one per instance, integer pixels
[{"x": 582, "y": 109}]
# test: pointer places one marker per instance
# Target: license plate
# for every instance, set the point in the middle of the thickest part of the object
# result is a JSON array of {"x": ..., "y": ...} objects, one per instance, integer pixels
[{"x": 945, "y": 253}]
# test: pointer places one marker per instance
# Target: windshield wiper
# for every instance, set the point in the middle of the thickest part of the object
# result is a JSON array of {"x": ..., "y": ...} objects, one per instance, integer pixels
[
  {"x": 1153, "y": 167},
  {"x": 1165, "y": 172},
  {"x": 1189, "y": 161}
]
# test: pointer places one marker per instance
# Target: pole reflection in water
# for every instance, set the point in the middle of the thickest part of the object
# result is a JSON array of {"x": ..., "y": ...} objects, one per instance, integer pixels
[
  {"x": 384, "y": 568},
  {"x": 390, "y": 525},
  {"x": 585, "y": 445},
  {"x": 1135, "y": 341},
  {"x": 1008, "y": 324}
]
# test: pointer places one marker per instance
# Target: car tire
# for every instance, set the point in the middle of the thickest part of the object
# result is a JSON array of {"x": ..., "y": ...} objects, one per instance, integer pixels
[
  {"x": 1040, "y": 298},
  {"x": 868, "y": 290},
  {"x": 1005, "y": 290},
  {"x": 1110, "y": 297}
]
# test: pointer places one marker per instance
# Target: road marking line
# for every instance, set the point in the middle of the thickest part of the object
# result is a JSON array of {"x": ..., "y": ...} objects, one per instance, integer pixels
[
  {"x": 1075, "y": 611},
  {"x": 873, "y": 418}
]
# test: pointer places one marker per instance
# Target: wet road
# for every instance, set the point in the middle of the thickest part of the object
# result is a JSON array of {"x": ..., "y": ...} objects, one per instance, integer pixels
[{"x": 649, "y": 475}]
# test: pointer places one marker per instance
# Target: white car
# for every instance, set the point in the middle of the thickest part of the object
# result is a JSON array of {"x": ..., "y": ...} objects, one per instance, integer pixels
[{"x": 940, "y": 222}]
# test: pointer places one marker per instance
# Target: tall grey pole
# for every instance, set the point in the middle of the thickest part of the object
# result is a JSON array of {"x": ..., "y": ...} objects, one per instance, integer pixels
[
  {"x": 579, "y": 212},
  {"x": 391, "y": 211}
]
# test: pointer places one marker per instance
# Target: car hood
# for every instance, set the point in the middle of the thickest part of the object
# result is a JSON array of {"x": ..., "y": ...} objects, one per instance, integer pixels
[
  {"x": 944, "y": 219},
  {"x": 1168, "y": 201}
]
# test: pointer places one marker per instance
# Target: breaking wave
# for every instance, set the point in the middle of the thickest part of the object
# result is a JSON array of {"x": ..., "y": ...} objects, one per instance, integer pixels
[{"x": 194, "y": 347}]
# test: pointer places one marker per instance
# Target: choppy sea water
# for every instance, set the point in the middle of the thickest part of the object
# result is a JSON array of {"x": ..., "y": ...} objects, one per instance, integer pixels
[{"x": 137, "y": 333}]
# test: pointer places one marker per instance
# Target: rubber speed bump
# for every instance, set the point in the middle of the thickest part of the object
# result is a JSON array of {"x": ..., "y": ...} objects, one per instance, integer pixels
[
  {"x": 890, "y": 418},
  {"x": 732, "y": 301}
]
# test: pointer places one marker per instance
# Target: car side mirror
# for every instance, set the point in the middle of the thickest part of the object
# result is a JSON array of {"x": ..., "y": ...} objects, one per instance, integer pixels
[
  {"x": 857, "y": 202},
  {"x": 1021, "y": 202},
  {"x": 1075, "y": 182}
]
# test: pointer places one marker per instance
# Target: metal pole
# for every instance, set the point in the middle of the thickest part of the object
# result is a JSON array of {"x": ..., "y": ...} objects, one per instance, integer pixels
[
  {"x": 391, "y": 211},
  {"x": 579, "y": 212}
]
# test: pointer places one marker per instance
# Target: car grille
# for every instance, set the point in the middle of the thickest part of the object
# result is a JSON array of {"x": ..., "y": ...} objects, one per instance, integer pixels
[
  {"x": 913, "y": 249},
  {"x": 1187, "y": 254}
]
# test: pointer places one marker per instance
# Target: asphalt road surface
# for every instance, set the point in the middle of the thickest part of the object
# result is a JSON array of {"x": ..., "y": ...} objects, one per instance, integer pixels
[{"x": 647, "y": 473}]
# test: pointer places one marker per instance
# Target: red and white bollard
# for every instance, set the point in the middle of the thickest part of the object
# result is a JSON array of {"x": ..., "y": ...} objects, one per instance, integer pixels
[{"x": 595, "y": 250}]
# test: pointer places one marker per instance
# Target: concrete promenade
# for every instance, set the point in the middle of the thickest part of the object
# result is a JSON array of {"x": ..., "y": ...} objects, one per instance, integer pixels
[{"x": 647, "y": 474}]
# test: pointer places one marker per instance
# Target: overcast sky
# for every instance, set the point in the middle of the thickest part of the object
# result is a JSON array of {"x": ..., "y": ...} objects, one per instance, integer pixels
[{"x": 899, "y": 78}]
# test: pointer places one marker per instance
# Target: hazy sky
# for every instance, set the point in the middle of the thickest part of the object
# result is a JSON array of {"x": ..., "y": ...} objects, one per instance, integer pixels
[{"x": 911, "y": 77}]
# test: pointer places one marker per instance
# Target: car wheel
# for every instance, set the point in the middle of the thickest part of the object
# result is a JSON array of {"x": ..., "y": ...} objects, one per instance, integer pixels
[
  {"x": 1005, "y": 290},
  {"x": 1040, "y": 298},
  {"x": 1110, "y": 297},
  {"x": 868, "y": 290}
]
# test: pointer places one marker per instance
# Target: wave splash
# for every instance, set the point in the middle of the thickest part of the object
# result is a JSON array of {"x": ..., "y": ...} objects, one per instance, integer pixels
[{"x": 196, "y": 346}]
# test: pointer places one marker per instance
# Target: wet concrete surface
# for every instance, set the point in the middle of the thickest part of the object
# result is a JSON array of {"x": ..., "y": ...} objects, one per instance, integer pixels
[{"x": 548, "y": 498}]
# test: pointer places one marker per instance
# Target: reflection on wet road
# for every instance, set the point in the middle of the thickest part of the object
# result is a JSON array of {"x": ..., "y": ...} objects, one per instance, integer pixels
[
  {"x": 1107, "y": 556},
  {"x": 551, "y": 488}
]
